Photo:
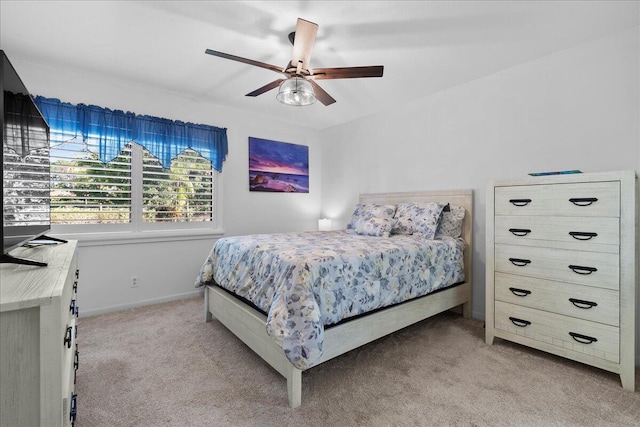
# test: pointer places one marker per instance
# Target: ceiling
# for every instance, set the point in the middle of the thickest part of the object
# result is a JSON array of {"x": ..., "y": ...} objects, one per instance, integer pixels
[{"x": 425, "y": 46}]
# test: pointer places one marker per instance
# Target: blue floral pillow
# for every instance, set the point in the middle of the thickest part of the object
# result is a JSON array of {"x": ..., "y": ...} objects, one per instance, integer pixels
[
  {"x": 414, "y": 218},
  {"x": 354, "y": 217},
  {"x": 451, "y": 222},
  {"x": 372, "y": 220}
]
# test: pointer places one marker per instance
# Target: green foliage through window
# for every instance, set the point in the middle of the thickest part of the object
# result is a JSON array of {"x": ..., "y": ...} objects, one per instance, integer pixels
[
  {"x": 87, "y": 191},
  {"x": 183, "y": 193}
]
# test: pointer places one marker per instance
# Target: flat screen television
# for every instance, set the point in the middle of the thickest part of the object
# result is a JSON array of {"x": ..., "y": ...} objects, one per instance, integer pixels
[{"x": 25, "y": 165}]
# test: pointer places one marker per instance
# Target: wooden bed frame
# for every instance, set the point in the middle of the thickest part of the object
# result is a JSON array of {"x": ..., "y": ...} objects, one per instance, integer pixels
[{"x": 248, "y": 324}]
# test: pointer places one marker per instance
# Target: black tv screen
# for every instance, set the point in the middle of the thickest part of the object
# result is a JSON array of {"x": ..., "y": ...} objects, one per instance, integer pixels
[{"x": 25, "y": 162}]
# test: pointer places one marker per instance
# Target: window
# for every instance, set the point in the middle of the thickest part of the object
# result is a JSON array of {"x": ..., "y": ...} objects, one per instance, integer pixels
[
  {"x": 184, "y": 193},
  {"x": 86, "y": 191},
  {"x": 117, "y": 171}
]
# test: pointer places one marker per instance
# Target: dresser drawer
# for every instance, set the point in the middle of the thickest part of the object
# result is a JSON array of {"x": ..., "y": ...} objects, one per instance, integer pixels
[
  {"x": 594, "y": 339},
  {"x": 584, "y": 268},
  {"x": 576, "y": 199},
  {"x": 583, "y": 302},
  {"x": 69, "y": 296},
  {"x": 69, "y": 358},
  {"x": 600, "y": 234}
]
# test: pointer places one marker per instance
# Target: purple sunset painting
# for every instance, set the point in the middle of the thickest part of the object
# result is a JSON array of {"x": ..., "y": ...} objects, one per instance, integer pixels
[{"x": 278, "y": 166}]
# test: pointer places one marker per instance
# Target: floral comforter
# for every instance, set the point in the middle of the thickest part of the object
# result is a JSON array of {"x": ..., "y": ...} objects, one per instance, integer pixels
[{"x": 306, "y": 281}]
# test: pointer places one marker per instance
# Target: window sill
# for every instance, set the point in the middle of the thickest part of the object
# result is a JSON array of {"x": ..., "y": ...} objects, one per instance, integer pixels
[{"x": 131, "y": 237}]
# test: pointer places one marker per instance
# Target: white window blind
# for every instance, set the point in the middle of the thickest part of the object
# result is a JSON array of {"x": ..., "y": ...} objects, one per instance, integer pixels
[
  {"x": 86, "y": 191},
  {"x": 183, "y": 193},
  {"x": 132, "y": 189}
]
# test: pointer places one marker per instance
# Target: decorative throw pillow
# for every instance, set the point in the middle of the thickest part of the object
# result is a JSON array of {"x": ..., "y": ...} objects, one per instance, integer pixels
[
  {"x": 354, "y": 217},
  {"x": 404, "y": 218},
  {"x": 372, "y": 220},
  {"x": 427, "y": 219},
  {"x": 417, "y": 218},
  {"x": 451, "y": 222}
]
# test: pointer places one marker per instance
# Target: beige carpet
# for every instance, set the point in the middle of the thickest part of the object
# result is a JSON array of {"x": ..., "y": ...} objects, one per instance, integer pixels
[{"x": 163, "y": 365}]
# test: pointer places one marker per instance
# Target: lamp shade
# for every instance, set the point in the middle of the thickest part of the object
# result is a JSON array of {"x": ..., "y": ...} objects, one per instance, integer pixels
[
  {"x": 296, "y": 91},
  {"x": 324, "y": 224}
]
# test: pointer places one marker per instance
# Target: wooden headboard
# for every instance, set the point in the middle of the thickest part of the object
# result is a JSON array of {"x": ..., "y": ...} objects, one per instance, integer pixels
[{"x": 462, "y": 198}]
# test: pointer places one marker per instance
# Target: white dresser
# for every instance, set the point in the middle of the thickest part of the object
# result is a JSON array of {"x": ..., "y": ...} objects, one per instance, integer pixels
[
  {"x": 562, "y": 267},
  {"x": 38, "y": 351}
]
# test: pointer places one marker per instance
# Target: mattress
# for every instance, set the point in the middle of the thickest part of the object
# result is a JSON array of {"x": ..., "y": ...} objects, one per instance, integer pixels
[{"x": 307, "y": 281}]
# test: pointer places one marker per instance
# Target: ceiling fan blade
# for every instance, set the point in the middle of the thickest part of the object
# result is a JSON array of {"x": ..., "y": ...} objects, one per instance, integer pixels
[
  {"x": 321, "y": 95},
  {"x": 266, "y": 88},
  {"x": 245, "y": 60},
  {"x": 303, "y": 42},
  {"x": 347, "y": 72}
]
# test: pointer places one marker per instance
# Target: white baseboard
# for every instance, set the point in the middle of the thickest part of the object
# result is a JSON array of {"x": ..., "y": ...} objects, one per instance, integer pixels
[{"x": 169, "y": 298}]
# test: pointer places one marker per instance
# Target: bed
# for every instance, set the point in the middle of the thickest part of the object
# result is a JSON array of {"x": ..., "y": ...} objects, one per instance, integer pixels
[{"x": 291, "y": 325}]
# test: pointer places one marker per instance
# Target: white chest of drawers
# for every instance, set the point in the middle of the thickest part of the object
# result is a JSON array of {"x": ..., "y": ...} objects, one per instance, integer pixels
[
  {"x": 38, "y": 351},
  {"x": 562, "y": 267}
]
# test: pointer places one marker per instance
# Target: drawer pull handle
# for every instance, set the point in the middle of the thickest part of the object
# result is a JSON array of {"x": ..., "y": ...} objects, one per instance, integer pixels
[
  {"x": 76, "y": 364},
  {"x": 519, "y": 292},
  {"x": 67, "y": 337},
  {"x": 519, "y": 262},
  {"x": 73, "y": 308},
  {"x": 519, "y": 231},
  {"x": 73, "y": 409},
  {"x": 583, "y": 339},
  {"x": 582, "y": 303},
  {"x": 520, "y": 202},
  {"x": 583, "y": 201},
  {"x": 579, "y": 235},
  {"x": 578, "y": 269},
  {"x": 519, "y": 322}
]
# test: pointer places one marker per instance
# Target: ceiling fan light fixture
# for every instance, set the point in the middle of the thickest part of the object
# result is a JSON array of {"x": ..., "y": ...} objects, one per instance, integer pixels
[{"x": 296, "y": 91}]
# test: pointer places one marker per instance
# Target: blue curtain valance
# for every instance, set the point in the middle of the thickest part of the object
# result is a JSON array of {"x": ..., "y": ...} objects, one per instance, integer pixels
[
  {"x": 61, "y": 116},
  {"x": 108, "y": 131}
]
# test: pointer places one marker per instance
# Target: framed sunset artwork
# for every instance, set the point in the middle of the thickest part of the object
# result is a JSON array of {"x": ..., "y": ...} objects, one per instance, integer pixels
[{"x": 278, "y": 167}]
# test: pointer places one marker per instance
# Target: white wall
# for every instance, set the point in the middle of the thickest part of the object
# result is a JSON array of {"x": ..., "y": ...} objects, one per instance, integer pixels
[
  {"x": 575, "y": 109},
  {"x": 167, "y": 269}
]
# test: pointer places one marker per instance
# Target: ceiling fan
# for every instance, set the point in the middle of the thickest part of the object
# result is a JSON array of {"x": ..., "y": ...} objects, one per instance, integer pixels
[{"x": 298, "y": 86}]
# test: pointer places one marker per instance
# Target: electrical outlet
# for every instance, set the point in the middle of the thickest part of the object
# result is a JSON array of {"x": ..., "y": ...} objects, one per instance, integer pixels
[{"x": 134, "y": 281}]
